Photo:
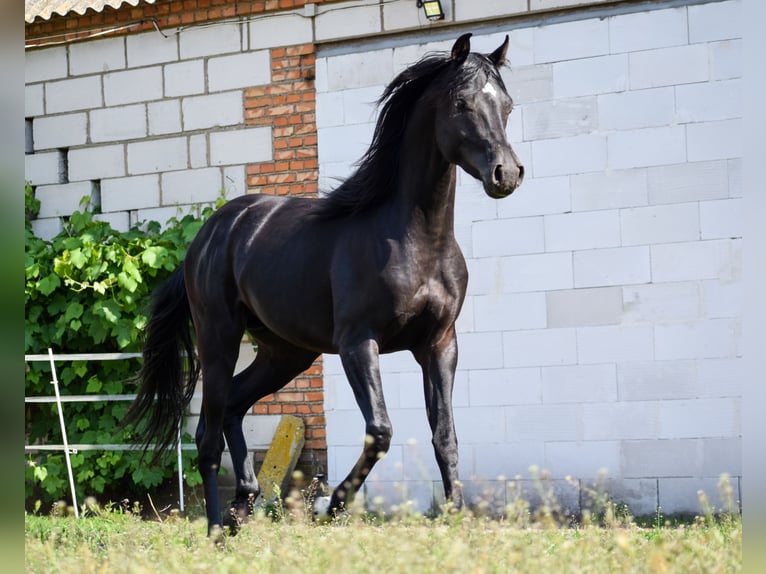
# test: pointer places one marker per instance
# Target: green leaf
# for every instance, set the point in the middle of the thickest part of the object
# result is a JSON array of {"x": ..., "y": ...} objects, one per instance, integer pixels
[
  {"x": 153, "y": 256},
  {"x": 94, "y": 386},
  {"x": 49, "y": 284},
  {"x": 78, "y": 258},
  {"x": 73, "y": 311}
]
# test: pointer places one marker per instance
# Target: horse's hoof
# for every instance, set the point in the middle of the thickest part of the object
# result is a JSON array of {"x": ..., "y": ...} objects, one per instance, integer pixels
[
  {"x": 238, "y": 514},
  {"x": 322, "y": 509}
]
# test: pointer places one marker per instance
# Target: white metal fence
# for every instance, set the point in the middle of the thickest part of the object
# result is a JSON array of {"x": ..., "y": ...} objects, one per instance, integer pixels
[{"x": 59, "y": 400}]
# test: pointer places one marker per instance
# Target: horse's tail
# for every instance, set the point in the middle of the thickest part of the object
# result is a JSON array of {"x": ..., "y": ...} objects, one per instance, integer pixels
[{"x": 170, "y": 370}]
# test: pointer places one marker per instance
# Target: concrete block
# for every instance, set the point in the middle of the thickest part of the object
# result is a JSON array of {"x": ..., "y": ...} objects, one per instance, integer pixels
[
  {"x": 281, "y": 458},
  {"x": 539, "y": 348},
  {"x": 358, "y": 19},
  {"x": 504, "y": 387},
  {"x": 584, "y": 230},
  {"x": 621, "y": 421},
  {"x": 550, "y": 4},
  {"x": 507, "y": 459},
  {"x": 640, "y": 495},
  {"x": 722, "y": 219},
  {"x": 403, "y": 15},
  {"x": 579, "y": 384},
  {"x": 96, "y": 162},
  {"x": 584, "y": 307},
  {"x": 203, "y": 112},
  {"x": 509, "y": 311},
  {"x": 359, "y": 104},
  {"x": 34, "y": 101},
  {"x": 151, "y": 48},
  {"x": 164, "y": 117},
  {"x": 590, "y": 76},
  {"x": 609, "y": 189},
  {"x": 648, "y": 30},
  {"x": 710, "y": 339},
  {"x": 668, "y": 66},
  {"x": 60, "y": 131},
  {"x": 559, "y": 118},
  {"x": 184, "y": 78},
  {"x": 198, "y": 151},
  {"x": 485, "y": 276},
  {"x": 722, "y": 456},
  {"x": 479, "y": 425},
  {"x": 619, "y": 343},
  {"x": 120, "y": 123},
  {"x": 662, "y": 302},
  {"x": 718, "y": 21},
  {"x": 636, "y": 109},
  {"x": 488, "y": 8},
  {"x": 63, "y": 199},
  {"x": 657, "y": 380},
  {"x": 692, "y": 181},
  {"x": 734, "y": 168},
  {"x": 701, "y": 418},
  {"x": 571, "y": 40},
  {"x": 358, "y": 70},
  {"x": 130, "y": 86},
  {"x": 561, "y": 495},
  {"x": 647, "y": 147},
  {"x": 582, "y": 459},
  {"x": 239, "y": 71},
  {"x": 709, "y": 101},
  {"x": 240, "y": 146},
  {"x": 47, "y": 228},
  {"x": 545, "y": 423},
  {"x": 537, "y": 196},
  {"x": 157, "y": 155},
  {"x": 527, "y": 84},
  {"x": 538, "y": 272},
  {"x": 615, "y": 266},
  {"x": 508, "y": 237},
  {"x": 329, "y": 109},
  {"x": 234, "y": 181},
  {"x": 725, "y": 59},
  {"x": 569, "y": 155},
  {"x": 71, "y": 95},
  {"x": 210, "y": 41},
  {"x": 720, "y": 377},
  {"x": 97, "y": 56},
  {"x": 292, "y": 29},
  {"x": 127, "y": 193},
  {"x": 480, "y": 351},
  {"x": 714, "y": 140},
  {"x": 44, "y": 168},
  {"x": 344, "y": 143},
  {"x": 713, "y": 259},
  {"x": 118, "y": 220},
  {"x": 723, "y": 299},
  {"x": 681, "y": 495},
  {"x": 45, "y": 64},
  {"x": 159, "y": 214},
  {"x": 472, "y": 205},
  {"x": 660, "y": 224},
  {"x": 660, "y": 458},
  {"x": 191, "y": 186}
]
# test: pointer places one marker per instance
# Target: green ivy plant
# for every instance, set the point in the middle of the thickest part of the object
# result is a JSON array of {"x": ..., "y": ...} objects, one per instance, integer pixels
[{"x": 87, "y": 291}]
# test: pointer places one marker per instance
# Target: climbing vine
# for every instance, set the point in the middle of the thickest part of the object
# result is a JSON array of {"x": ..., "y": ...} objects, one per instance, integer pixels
[{"x": 87, "y": 291}]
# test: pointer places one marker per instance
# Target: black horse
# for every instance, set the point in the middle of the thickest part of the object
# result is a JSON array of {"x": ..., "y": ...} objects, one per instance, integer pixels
[{"x": 372, "y": 268}]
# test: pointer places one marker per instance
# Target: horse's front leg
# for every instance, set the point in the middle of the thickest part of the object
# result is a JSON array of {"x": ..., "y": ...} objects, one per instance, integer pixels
[
  {"x": 438, "y": 363},
  {"x": 360, "y": 362}
]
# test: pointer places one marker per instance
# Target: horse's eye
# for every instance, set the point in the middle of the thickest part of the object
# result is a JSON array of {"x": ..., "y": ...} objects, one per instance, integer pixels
[{"x": 461, "y": 105}]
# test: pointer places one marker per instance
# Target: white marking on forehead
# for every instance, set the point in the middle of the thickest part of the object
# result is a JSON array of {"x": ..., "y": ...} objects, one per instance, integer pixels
[{"x": 489, "y": 89}]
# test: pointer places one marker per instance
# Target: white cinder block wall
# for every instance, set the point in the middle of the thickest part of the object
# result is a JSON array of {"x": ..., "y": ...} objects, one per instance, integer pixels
[
  {"x": 602, "y": 325},
  {"x": 144, "y": 125}
]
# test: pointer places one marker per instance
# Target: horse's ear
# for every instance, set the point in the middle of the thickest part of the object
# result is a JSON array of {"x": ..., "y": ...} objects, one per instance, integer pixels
[
  {"x": 461, "y": 48},
  {"x": 498, "y": 56}
]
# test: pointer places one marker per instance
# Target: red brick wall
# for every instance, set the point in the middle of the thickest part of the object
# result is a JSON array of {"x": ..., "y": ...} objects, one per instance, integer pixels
[{"x": 288, "y": 106}]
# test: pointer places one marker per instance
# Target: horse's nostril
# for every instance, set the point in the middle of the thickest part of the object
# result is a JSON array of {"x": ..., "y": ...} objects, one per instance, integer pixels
[
  {"x": 521, "y": 173},
  {"x": 498, "y": 174}
]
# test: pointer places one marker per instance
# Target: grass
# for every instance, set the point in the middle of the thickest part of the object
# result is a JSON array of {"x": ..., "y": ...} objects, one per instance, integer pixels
[{"x": 286, "y": 541}]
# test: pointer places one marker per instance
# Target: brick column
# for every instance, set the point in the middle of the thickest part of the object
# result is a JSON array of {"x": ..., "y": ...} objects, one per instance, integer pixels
[{"x": 287, "y": 105}]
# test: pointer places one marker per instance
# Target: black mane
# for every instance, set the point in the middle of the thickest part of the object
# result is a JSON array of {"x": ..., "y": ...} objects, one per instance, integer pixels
[{"x": 376, "y": 173}]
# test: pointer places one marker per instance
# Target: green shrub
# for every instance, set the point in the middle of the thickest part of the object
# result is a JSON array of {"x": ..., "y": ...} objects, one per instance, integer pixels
[{"x": 87, "y": 291}]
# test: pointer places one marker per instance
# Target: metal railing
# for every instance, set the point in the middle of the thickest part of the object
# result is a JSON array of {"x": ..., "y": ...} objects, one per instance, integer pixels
[{"x": 59, "y": 400}]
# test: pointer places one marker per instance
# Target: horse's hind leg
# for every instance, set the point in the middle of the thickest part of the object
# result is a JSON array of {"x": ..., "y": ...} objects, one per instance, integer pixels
[{"x": 273, "y": 367}]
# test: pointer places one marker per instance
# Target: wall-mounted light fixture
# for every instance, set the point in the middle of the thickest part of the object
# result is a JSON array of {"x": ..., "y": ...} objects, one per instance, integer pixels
[{"x": 432, "y": 8}]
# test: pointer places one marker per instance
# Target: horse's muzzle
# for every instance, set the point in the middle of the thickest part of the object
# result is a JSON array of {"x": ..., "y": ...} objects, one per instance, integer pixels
[{"x": 503, "y": 180}]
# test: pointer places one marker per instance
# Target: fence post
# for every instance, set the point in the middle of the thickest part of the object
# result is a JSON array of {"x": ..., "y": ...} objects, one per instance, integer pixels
[{"x": 55, "y": 384}]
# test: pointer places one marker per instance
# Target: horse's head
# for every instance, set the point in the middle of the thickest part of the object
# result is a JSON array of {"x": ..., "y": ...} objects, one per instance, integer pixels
[{"x": 470, "y": 122}]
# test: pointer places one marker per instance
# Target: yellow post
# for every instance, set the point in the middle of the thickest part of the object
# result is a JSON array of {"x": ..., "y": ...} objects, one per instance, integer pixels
[{"x": 282, "y": 456}]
